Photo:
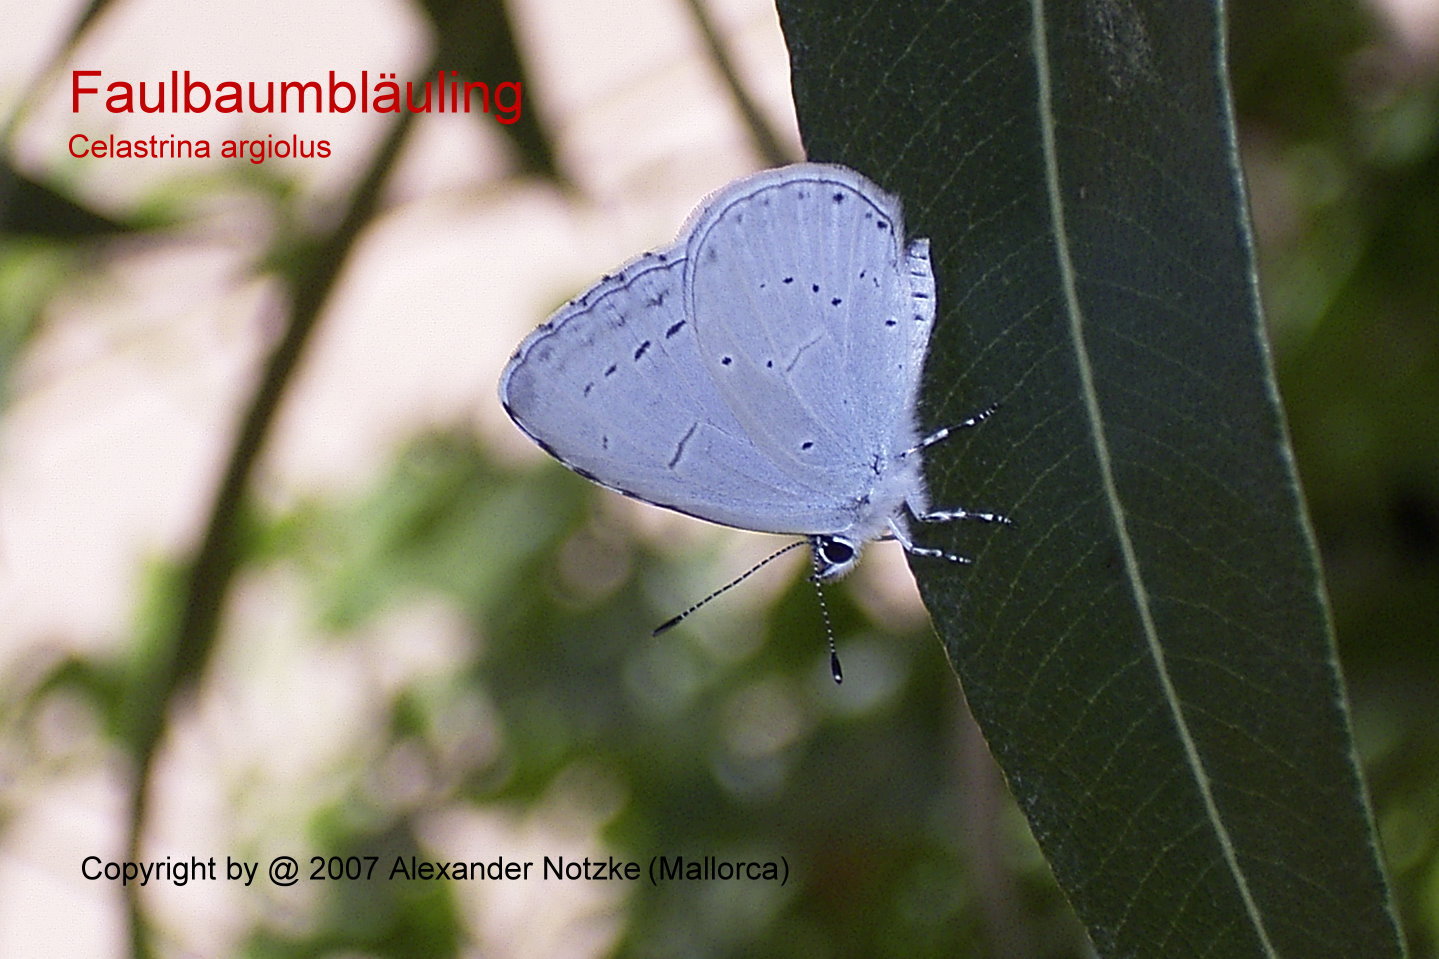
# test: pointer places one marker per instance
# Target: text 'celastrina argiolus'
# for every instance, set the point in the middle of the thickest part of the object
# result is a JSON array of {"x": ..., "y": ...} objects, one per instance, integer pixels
[{"x": 762, "y": 372}]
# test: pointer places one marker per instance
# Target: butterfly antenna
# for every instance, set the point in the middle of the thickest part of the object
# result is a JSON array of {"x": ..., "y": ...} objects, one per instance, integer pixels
[
  {"x": 676, "y": 620},
  {"x": 834, "y": 669}
]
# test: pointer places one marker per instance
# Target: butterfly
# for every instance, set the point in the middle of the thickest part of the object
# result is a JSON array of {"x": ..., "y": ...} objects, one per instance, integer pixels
[{"x": 761, "y": 372}]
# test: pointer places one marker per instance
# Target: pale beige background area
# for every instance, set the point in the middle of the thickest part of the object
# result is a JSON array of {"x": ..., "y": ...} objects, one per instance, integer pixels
[{"x": 122, "y": 410}]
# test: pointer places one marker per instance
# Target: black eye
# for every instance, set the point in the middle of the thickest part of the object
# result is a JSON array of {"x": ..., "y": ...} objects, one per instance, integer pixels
[{"x": 835, "y": 552}]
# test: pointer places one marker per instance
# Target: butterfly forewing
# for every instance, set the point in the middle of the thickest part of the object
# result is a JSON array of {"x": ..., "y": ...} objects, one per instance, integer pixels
[{"x": 801, "y": 292}]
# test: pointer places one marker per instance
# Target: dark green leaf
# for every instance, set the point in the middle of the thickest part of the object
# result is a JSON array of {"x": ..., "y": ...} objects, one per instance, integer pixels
[{"x": 1148, "y": 651}]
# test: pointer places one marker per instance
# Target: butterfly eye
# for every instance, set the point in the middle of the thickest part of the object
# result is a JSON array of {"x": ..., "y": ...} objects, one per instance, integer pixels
[{"x": 834, "y": 556}]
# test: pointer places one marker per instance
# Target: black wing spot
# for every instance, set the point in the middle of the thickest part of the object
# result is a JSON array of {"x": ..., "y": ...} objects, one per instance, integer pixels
[
  {"x": 883, "y": 224},
  {"x": 589, "y": 386},
  {"x": 604, "y": 442},
  {"x": 806, "y": 444},
  {"x": 839, "y": 198},
  {"x": 611, "y": 370},
  {"x": 836, "y": 301},
  {"x": 726, "y": 360},
  {"x": 658, "y": 299},
  {"x": 642, "y": 347},
  {"x": 662, "y": 257},
  {"x": 674, "y": 329},
  {"x": 680, "y": 447},
  {"x": 769, "y": 364},
  {"x": 919, "y": 318},
  {"x": 889, "y": 322},
  {"x": 789, "y": 279},
  {"x": 814, "y": 287}
]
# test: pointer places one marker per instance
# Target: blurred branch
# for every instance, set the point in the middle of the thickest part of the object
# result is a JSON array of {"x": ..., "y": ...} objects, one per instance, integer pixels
[
  {"x": 766, "y": 142},
  {"x": 46, "y": 74},
  {"x": 312, "y": 271}
]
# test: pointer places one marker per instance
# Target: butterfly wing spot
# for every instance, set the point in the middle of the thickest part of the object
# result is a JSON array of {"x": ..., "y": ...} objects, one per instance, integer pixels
[
  {"x": 726, "y": 360},
  {"x": 680, "y": 446},
  {"x": 807, "y": 444},
  {"x": 889, "y": 322},
  {"x": 658, "y": 299},
  {"x": 789, "y": 279},
  {"x": 641, "y": 350},
  {"x": 675, "y": 328},
  {"x": 838, "y": 198},
  {"x": 836, "y": 301}
]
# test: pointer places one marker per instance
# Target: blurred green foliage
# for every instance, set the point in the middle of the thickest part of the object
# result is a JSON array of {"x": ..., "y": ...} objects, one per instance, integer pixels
[{"x": 726, "y": 738}]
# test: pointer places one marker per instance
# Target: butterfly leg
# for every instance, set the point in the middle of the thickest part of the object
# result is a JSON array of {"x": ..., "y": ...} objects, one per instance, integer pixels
[
  {"x": 946, "y": 515},
  {"x": 896, "y": 533},
  {"x": 944, "y": 432}
]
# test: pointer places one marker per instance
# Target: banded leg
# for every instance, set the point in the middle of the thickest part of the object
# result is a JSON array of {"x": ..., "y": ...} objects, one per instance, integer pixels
[
  {"x": 909, "y": 545},
  {"x": 945, "y": 431},
  {"x": 946, "y": 515}
]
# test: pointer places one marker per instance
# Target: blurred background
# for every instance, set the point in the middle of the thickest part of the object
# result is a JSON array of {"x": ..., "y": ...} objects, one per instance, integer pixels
[{"x": 414, "y": 634}]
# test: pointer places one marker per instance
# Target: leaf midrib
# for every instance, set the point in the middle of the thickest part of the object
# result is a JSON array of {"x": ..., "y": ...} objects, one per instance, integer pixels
[{"x": 1076, "y": 319}]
